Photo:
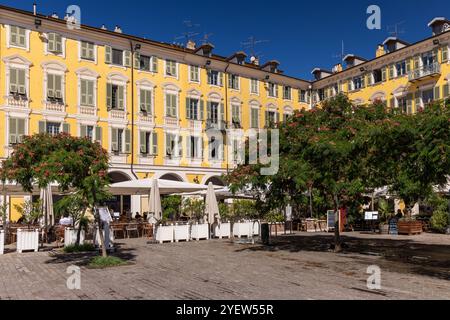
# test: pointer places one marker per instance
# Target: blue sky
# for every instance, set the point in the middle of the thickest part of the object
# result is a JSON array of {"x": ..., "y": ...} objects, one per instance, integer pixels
[{"x": 301, "y": 34}]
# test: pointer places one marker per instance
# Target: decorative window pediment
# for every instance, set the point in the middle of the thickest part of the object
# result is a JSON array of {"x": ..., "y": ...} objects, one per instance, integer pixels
[
  {"x": 86, "y": 72},
  {"x": 54, "y": 66},
  {"x": 117, "y": 77},
  {"x": 17, "y": 60}
]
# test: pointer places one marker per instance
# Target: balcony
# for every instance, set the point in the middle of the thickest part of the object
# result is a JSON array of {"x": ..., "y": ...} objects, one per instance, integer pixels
[
  {"x": 216, "y": 125},
  {"x": 55, "y": 105},
  {"x": 172, "y": 122},
  {"x": 88, "y": 111},
  {"x": 195, "y": 125},
  {"x": 146, "y": 117},
  {"x": 117, "y": 114},
  {"x": 425, "y": 72},
  {"x": 17, "y": 101}
]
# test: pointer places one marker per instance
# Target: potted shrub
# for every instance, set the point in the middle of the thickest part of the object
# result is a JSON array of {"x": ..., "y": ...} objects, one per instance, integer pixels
[
  {"x": 28, "y": 237},
  {"x": 409, "y": 226},
  {"x": 384, "y": 212}
]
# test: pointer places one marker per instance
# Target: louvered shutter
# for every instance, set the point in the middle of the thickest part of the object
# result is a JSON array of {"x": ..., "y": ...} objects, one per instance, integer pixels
[
  {"x": 108, "y": 54},
  {"x": 188, "y": 108},
  {"x": 114, "y": 140},
  {"x": 137, "y": 60},
  {"x": 21, "y": 86},
  {"x": 222, "y": 115},
  {"x": 109, "y": 96},
  {"x": 180, "y": 146},
  {"x": 99, "y": 134},
  {"x": 58, "y": 87},
  {"x": 446, "y": 90},
  {"x": 154, "y": 143},
  {"x": 12, "y": 131},
  {"x": 13, "y": 81},
  {"x": 90, "y": 93},
  {"x": 83, "y": 89},
  {"x": 444, "y": 54},
  {"x": 154, "y": 64},
  {"x": 50, "y": 85},
  {"x": 66, "y": 128},
  {"x": 437, "y": 93},
  {"x": 127, "y": 141},
  {"x": 127, "y": 59},
  {"x": 202, "y": 110},
  {"x": 143, "y": 142},
  {"x": 42, "y": 127},
  {"x": 52, "y": 42},
  {"x": 83, "y": 131},
  {"x": 409, "y": 103},
  {"x": 120, "y": 97}
]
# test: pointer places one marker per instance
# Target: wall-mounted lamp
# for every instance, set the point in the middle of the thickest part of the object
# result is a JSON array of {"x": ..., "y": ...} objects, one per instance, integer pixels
[
  {"x": 208, "y": 62},
  {"x": 436, "y": 42},
  {"x": 362, "y": 69},
  {"x": 267, "y": 77},
  {"x": 137, "y": 46},
  {"x": 37, "y": 23}
]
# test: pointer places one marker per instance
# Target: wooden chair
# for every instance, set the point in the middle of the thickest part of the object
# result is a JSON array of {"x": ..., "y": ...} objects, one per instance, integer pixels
[
  {"x": 118, "y": 228},
  {"x": 132, "y": 228},
  {"x": 59, "y": 232},
  {"x": 147, "y": 230}
]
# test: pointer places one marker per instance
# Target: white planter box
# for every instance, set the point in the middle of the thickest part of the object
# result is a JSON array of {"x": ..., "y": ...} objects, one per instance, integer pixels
[
  {"x": 256, "y": 228},
  {"x": 97, "y": 238},
  {"x": 243, "y": 229},
  {"x": 27, "y": 240},
  {"x": 200, "y": 232},
  {"x": 70, "y": 237},
  {"x": 222, "y": 231},
  {"x": 181, "y": 232},
  {"x": 2, "y": 242},
  {"x": 164, "y": 234}
]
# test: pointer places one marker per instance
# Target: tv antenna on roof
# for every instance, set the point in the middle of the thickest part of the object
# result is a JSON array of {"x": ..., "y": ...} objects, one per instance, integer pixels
[
  {"x": 341, "y": 55},
  {"x": 206, "y": 37},
  {"x": 189, "y": 33},
  {"x": 394, "y": 30},
  {"x": 250, "y": 45}
]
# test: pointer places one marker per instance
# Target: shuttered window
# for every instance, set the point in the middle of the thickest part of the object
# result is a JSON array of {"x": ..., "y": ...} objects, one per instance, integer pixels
[
  {"x": 254, "y": 118},
  {"x": 55, "y": 44},
  {"x": 18, "y": 36},
  {"x": 115, "y": 97},
  {"x": 146, "y": 101},
  {"x": 254, "y": 86},
  {"x": 149, "y": 143},
  {"x": 120, "y": 140},
  {"x": 17, "y": 81},
  {"x": 194, "y": 74},
  {"x": 444, "y": 54},
  {"x": 446, "y": 90},
  {"x": 16, "y": 130},
  {"x": 54, "y": 87},
  {"x": 87, "y": 92},
  {"x": 87, "y": 50},
  {"x": 171, "y": 105},
  {"x": 171, "y": 68}
]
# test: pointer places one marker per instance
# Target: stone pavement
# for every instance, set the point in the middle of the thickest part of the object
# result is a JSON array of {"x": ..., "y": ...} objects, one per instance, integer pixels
[{"x": 295, "y": 267}]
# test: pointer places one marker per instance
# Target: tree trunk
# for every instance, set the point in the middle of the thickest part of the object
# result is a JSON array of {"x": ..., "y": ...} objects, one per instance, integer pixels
[
  {"x": 101, "y": 236},
  {"x": 311, "y": 202},
  {"x": 79, "y": 229},
  {"x": 337, "y": 231}
]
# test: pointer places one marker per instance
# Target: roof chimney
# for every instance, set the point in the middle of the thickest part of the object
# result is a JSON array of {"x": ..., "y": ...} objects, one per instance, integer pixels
[
  {"x": 271, "y": 66},
  {"x": 55, "y": 15},
  {"x": 337, "y": 68},
  {"x": 34, "y": 8},
  {"x": 393, "y": 44},
  {"x": 205, "y": 50},
  {"x": 239, "y": 57},
  {"x": 103, "y": 27},
  {"x": 380, "y": 51},
  {"x": 118, "y": 29},
  {"x": 439, "y": 25},
  {"x": 191, "y": 45},
  {"x": 351, "y": 60},
  {"x": 320, "y": 73},
  {"x": 254, "y": 60}
]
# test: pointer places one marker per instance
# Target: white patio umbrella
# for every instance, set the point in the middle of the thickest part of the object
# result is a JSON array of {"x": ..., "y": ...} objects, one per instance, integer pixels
[
  {"x": 143, "y": 187},
  {"x": 47, "y": 206},
  {"x": 212, "y": 208},
  {"x": 155, "y": 200},
  {"x": 222, "y": 193}
]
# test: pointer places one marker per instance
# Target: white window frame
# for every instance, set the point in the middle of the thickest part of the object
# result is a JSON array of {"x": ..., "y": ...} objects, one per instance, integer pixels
[
  {"x": 176, "y": 69},
  {"x": 177, "y": 136},
  {"x": 27, "y": 38},
  {"x": 17, "y": 62},
  {"x": 95, "y": 52},
  {"x": 251, "y": 87},
  {"x": 54, "y": 68},
  {"x": 21, "y": 116},
  {"x": 269, "y": 92},
  {"x": 290, "y": 93},
  {"x": 198, "y": 74},
  {"x": 172, "y": 89},
  {"x": 89, "y": 75},
  {"x": 119, "y": 79},
  {"x": 124, "y": 129},
  {"x": 256, "y": 106},
  {"x": 238, "y": 89},
  {"x": 63, "y": 45},
  {"x": 149, "y": 86}
]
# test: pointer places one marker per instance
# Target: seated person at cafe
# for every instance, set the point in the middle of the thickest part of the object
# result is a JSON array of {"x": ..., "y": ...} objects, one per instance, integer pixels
[{"x": 138, "y": 216}]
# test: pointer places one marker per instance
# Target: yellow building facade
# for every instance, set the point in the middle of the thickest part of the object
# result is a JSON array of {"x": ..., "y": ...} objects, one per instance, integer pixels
[{"x": 149, "y": 104}]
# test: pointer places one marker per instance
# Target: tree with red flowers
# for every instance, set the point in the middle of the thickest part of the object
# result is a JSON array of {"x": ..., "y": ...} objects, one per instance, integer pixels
[{"x": 75, "y": 164}]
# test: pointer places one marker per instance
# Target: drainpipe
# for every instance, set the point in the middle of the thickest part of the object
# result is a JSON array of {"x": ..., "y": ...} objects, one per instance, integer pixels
[
  {"x": 132, "y": 111},
  {"x": 226, "y": 117}
]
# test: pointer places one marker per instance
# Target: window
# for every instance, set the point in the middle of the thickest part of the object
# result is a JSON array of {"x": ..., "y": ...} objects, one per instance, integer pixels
[
  {"x": 429, "y": 58},
  {"x": 149, "y": 143},
  {"x": 215, "y": 78},
  {"x": 271, "y": 118},
  {"x": 173, "y": 145},
  {"x": 117, "y": 57},
  {"x": 193, "y": 147},
  {"x": 54, "y": 88},
  {"x": 171, "y": 105},
  {"x": 194, "y": 74},
  {"x": 402, "y": 105},
  {"x": 213, "y": 113},
  {"x": 87, "y": 51},
  {"x": 427, "y": 96},
  {"x": 444, "y": 54},
  {"x": 215, "y": 145},
  {"x": 358, "y": 83},
  {"x": 16, "y": 130},
  {"x": 302, "y": 95},
  {"x": 147, "y": 63},
  {"x": 18, "y": 37},
  {"x": 272, "y": 90},
  {"x": 120, "y": 140},
  {"x": 287, "y": 93},
  {"x": 53, "y": 128},
  {"x": 254, "y": 86},
  {"x": 377, "y": 76},
  {"x": 17, "y": 85},
  {"x": 87, "y": 92},
  {"x": 87, "y": 132},
  {"x": 115, "y": 97},
  {"x": 384, "y": 74},
  {"x": 233, "y": 81},
  {"x": 236, "y": 115},
  {"x": 193, "y": 109},
  {"x": 171, "y": 68},
  {"x": 55, "y": 43},
  {"x": 254, "y": 118},
  {"x": 400, "y": 68},
  {"x": 146, "y": 101}
]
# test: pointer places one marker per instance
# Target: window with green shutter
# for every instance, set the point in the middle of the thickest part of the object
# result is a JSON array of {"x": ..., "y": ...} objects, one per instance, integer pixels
[
  {"x": 437, "y": 93},
  {"x": 54, "y": 88},
  {"x": 383, "y": 74},
  {"x": 146, "y": 101},
  {"x": 194, "y": 74},
  {"x": 87, "y": 50},
  {"x": 18, "y": 37},
  {"x": 87, "y": 92},
  {"x": 17, "y": 83},
  {"x": 127, "y": 141},
  {"x": 446, "y": 90},
  {"x": 115, "y": 97},
  {"x": 108, "y": 54},
  {"x": 115, "y": 140},
  {"x": 255, "y": 118},
  {"x": 444, "y": 54},
  {"x": 171, "y": 68},
  {"x": 16, "y": 130},
  {"x": 154, "y": 64},
  {"x": 171, "y": 105},
  {"x": 127, "y": 59},
  {"x": 55, "y": 44},
  {"x": 99, "y": 135}
]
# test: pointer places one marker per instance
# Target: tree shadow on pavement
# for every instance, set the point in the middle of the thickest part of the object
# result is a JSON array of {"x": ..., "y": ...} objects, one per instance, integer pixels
[{"x": 400, "y": 255}]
